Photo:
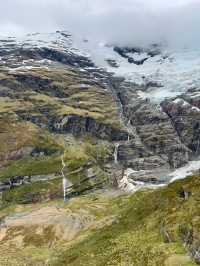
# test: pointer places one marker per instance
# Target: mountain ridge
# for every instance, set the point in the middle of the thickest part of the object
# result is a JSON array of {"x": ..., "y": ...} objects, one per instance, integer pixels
[
  {"x": 78, "y": 135},
  {"x": 148, "y": 132}
]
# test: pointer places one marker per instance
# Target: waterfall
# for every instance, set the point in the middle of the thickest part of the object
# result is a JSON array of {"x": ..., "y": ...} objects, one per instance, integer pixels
[
  {"x": 64, "y": 188},
  {"x": 64, "y": 178},
  {"x": 116, "y": 153},
  {"x": 129, "y": 130}
]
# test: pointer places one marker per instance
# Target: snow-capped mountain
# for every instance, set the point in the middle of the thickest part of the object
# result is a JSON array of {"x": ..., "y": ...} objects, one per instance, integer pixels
[
  {"x": 154, "y": 92},
  {"x": 169, "y": 72},
  {"x": 158, "y": 71},
  {"x": 78, "y": 117}
]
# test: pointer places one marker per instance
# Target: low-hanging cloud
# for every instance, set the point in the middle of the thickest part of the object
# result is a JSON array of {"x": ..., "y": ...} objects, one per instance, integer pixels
[{"x": 123, "y": 21}]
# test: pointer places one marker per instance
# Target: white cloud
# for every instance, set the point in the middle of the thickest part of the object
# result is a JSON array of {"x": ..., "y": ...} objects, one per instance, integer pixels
[{"x": 124, "y": 21}]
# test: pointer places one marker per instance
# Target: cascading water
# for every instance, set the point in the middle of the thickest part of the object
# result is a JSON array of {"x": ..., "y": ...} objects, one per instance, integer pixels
[
  {"x": 64, "y": 178},
  {"x": 128, "y": 126},
  {"x": 64, "y": 188},
  {"x": 116, "y": 153}
]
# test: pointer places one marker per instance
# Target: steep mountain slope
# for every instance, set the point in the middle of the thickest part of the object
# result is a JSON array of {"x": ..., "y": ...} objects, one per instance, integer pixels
[
  {"x": 54, "y": 90},
  {"x": 159, "y": 71},
  {"x": 77, "y": 117},
  {"x": 44, "y": 105}
]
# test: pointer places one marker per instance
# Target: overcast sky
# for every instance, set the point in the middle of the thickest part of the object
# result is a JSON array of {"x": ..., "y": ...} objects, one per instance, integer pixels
[{"x": 120, "y": 21}]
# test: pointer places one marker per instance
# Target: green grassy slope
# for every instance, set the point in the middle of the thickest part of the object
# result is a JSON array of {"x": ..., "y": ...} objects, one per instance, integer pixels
[{"x": 151, "y": 230}]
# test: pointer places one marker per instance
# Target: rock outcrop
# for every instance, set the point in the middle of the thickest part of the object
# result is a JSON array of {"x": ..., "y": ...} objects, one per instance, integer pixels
[
  {"x": 152, "y": 128},
  {"x": 80, "y": 126},
  {"x": 18, "y": 181},
  {"x": 184, "y": 112},
  {"x": 55, "y": 88}
]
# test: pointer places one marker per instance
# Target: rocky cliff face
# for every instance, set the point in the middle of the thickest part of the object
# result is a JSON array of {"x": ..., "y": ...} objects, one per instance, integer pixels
[
  {"x": 53, "y": 96},
  {"x": 78, "y": 131},
  {"x": 80, "y": 126},
  {"x": 185, "y": 114},
  {"x": 152, "y": 129}
]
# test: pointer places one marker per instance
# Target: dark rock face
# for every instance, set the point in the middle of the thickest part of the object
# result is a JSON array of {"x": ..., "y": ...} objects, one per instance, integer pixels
[
  {"x": 112, "y": 63},
  {"x": 147, "y": 163},
  {"x": 79, "y": 126},
  {"x": 146, "y": 176},
  {"x": 136, "y": 156},
  {"x": 150, "y": 136},
  {"x": 157, "y": 133},
  {"x": 76, "y": 125},
  {"x": 152, "y": 128},
  {"x": 185, "y": 114},
  {"x": 17, "y": 181},
  {"x": 191, "y": 242},
  {"x": 63, "y": 57},
  {"x": 130, "y": 151},
  {"x": 33, "y": 81},
  {"x": 38, "y": 152},
  {"x": 126, "y": 52}
]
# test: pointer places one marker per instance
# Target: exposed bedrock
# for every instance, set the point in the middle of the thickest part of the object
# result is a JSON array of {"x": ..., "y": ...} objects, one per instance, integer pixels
[
  {"x": 134, "y": 155},
  {"x": 185, "y": 114},
  {"x": 79, "y": 126},
  {"x": 157, "y": 133},
  {"x": 64, "y": 57},
  {"x": 151, "y": 137},
  {"x": 153, "y": 128},
  {"x": 17, "y": 181}
]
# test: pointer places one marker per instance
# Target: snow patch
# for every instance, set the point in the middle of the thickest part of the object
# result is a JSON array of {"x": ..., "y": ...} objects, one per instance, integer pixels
[
  {"x": 177, "y": 71},
  {"x": 195, "y": 109},
  {"x": 185, "y": 171},
  {"x": 128, "y": 185}
]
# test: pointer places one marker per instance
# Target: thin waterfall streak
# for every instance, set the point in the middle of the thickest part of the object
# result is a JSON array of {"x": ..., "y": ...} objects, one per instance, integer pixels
[
  {"x": 64, "y": 188},
  {"x": 116, "y": 153},
  {"x": 64, "y": 178}
]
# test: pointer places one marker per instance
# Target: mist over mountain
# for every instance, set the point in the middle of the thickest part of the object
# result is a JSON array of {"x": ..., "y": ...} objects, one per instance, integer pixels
[
  {"x": 100, "y": 133},
  {"x": 128, "y": 22}
]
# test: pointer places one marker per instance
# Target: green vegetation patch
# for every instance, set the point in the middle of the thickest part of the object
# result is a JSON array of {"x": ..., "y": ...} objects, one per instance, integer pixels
[
  {"x": 32, "y": 166},
  {"x": 32, "y": 193},
  {"x": 149, "y": 230},
  {"x": 78, "y": 159},
  {"x": 61, "y": 92}
]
